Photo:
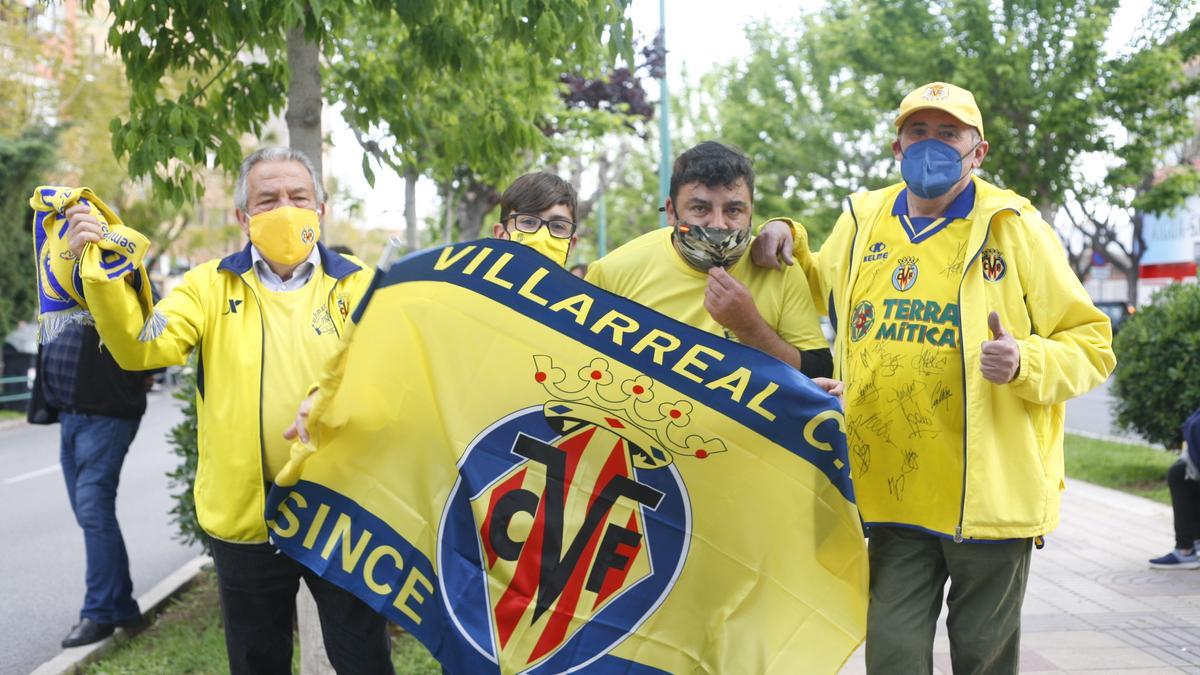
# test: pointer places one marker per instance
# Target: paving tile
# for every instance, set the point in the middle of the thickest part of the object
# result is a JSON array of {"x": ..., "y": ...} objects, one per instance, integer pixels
[
  {"x": 1129, "y": 671},
  {"x": 1074, "y": 658},
  {"x": 1081, "y": 639}
]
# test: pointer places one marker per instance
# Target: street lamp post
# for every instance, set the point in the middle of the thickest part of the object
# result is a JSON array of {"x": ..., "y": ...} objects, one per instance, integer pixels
[{"x": 664, "y": 113}]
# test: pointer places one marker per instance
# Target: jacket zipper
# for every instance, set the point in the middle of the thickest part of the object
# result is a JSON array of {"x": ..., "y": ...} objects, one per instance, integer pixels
[
  {"x": 962, "y": 353},
  {"x": 329, "y": 304},
  {"x": 262, "y": 355},
  {"x": 845, "y": 318}
]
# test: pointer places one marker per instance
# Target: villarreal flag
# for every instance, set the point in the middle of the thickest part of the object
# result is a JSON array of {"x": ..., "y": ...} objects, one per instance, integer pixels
[{"x": 532, "y": 475}]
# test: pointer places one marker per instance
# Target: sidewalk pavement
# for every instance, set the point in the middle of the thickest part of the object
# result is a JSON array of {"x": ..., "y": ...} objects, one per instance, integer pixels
[
  {"x": 151, "y": 603},
  {"x": 1093, "y": 603}
]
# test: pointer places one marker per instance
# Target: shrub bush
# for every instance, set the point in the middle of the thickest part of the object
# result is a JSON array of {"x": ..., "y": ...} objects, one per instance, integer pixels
[
  {"x": 183, "y": 478},
  {"x": 1157, "y": 381}
]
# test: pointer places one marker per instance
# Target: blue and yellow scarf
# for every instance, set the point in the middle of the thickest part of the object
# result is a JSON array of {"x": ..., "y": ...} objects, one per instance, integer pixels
[{"x": 61, "y": 300}]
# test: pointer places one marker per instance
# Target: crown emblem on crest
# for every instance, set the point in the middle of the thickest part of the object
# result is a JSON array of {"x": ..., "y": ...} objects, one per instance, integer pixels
[
  {"x": 655, "y": 429},
  {"x": 935, "y": 92}
]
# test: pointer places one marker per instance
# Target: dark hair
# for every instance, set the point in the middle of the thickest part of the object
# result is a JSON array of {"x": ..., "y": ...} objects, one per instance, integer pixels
[
  {"x": 536, "y": 192},
  {"x": 712, "y": 164}
]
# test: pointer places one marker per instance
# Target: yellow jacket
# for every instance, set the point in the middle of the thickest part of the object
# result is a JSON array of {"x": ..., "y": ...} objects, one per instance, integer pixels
[
  {"x": 1013, "y": 433},
  {"x": 216, "y": 309}
]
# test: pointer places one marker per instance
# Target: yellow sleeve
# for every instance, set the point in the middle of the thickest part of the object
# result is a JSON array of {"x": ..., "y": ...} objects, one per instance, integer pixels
[
  {"x": 595, "y": 275},
  {"x": 807, "y": 260},
  {"x": 799, "y": 325},
  {"x": 119, "y": 320},
  {"x": 1070, "y": 351}
]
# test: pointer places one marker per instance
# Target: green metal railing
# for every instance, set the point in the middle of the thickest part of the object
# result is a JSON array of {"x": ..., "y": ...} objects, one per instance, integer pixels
[{"x": 23, "y": 396}]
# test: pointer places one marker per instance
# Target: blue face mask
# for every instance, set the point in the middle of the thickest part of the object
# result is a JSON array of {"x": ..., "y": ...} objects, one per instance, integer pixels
[{"x": 931, "y": 167}]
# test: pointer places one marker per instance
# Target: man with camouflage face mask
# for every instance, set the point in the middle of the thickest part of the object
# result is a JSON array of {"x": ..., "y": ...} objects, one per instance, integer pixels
[{"x": 696, "y": 270}]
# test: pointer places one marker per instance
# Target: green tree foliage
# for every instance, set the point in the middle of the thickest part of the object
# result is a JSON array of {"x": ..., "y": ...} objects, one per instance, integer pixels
[
  {"x": 1158, "y": 356},
  {"x": 1146, "y": 106},
  {"x": 814, "y": 103},
  {"x": 237, "y": 52},
  {"x": 25, "y": 161}
]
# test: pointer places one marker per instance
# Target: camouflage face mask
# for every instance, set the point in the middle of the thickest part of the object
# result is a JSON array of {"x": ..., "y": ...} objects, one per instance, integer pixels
[{"x": 708, "y": 247}]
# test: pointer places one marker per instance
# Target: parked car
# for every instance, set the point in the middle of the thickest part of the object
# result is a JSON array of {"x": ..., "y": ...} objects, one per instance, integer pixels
[
  {"x": 1117, "y": 312},
  {"x": 19, "y": 355}
]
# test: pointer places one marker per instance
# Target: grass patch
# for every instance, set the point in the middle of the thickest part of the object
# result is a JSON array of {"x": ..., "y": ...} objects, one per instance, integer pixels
[
  {"x": 188, "y": 637},
  {"x": 1136, "y": 469},
  {"x": 6, "y": 414}
]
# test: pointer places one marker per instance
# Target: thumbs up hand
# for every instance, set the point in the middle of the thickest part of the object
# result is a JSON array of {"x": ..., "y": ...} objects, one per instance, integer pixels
[{"x": 1001, "y": 358}]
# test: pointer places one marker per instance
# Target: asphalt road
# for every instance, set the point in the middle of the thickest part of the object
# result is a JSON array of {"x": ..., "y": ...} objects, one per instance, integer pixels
[
  {"x": 1090, "y": 414},
  {"x": 41, "y": 547}
]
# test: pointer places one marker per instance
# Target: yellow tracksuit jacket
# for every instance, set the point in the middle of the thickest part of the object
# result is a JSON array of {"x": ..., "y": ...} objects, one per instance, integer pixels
[
  {"x": 1013, "y": 433},
  {"x": 216, "y": 310}
]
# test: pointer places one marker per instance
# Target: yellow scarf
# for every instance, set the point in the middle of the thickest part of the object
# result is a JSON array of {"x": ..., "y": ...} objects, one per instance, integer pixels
[{"x": 121, "y": 251}]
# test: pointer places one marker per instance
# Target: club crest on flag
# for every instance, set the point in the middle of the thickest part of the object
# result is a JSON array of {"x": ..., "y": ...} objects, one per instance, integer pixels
[
  {"x": 993, "y": 264},
  {"x": 580, "y": 504}
]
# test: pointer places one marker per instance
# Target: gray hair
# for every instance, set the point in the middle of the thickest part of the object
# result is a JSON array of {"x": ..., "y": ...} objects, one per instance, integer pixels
[{"x": 272, "y": 153}]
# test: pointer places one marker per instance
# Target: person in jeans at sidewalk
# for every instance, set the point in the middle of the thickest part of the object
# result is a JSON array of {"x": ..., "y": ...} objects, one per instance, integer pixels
[
  {"x": 1183, "y": 479},
  {"x": 99, "y": 407}
]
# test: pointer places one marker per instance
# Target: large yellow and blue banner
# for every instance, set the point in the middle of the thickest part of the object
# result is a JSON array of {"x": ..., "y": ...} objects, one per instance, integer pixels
[{"x": 531, "y": 474}]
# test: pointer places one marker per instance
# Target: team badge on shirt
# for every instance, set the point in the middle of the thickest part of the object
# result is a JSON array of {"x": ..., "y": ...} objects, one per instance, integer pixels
[
  {"x": 861, "y": 320},
  {"x": 322, "y": 322},
  {"x": 905, "y": 276},
  {"x": 993, "y": 264}
]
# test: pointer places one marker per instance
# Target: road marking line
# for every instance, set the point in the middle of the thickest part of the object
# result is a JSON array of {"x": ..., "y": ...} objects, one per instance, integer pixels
[{"x": 33, "y": 474}]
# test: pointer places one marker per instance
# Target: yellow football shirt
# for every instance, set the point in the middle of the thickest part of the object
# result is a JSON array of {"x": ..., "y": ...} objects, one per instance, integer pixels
[
  {"x": 298, "y": 338},
  {"x": 650, "y": 272},
  {"x": 904, "y": 371}
]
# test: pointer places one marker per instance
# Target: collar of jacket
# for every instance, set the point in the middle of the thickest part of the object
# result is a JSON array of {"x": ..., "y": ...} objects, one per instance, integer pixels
[
  {"x": 334, "y": 265},
  {"x": 866, "y": 207}
]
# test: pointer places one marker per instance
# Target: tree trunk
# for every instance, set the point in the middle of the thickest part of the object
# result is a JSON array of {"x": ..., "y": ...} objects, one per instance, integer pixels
[
  {"x": 304, "y": 101},
  {"x": 303, "y": 117},
  {"x": 410, "y": 208},
  {"x": 1137, "y": 250},
  {"x": 448, "y": 218},
  {"x": 477, "y": 199},
  {"x": 313, "y": 659}
]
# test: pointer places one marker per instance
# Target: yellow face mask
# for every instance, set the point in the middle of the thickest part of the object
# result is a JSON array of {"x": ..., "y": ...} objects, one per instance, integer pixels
[
  {"x": 285, "y": 235},
  {"x": 541, "y": 241}
]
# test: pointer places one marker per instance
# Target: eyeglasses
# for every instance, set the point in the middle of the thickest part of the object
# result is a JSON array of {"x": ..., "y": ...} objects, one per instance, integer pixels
[{"x": 558, "y": 227}]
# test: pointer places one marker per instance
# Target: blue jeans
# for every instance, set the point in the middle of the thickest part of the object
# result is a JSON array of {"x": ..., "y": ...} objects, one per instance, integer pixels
[{"x": 93, "y": 451}]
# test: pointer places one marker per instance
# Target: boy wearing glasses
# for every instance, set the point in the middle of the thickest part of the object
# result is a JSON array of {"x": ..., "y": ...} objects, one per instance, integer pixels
[{"x": 538, "y": 210}]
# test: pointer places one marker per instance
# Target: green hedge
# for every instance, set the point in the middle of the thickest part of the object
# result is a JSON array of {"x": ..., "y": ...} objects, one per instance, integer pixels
[{"x": 1157, "y": 381}]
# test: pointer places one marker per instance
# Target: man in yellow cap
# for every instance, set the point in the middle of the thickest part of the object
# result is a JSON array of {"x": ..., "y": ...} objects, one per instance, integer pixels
[{"x": 961, "y": 333}]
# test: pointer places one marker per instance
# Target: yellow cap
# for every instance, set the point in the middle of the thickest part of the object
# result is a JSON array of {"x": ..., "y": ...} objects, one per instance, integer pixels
[{"x": 942, "y": 96}]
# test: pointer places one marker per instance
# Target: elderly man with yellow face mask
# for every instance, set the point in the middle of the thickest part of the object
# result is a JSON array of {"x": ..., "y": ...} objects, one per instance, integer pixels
[{"x": 264, "y": 321}]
